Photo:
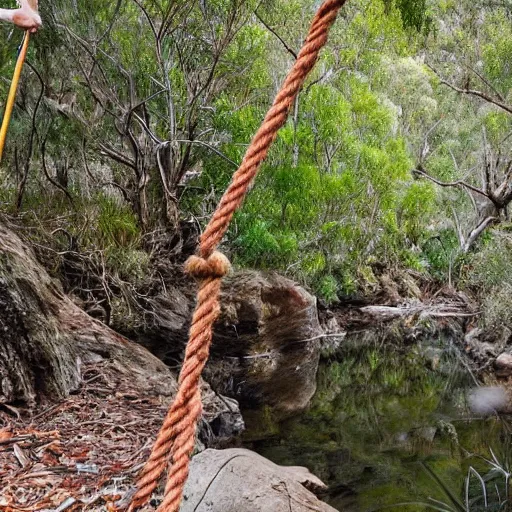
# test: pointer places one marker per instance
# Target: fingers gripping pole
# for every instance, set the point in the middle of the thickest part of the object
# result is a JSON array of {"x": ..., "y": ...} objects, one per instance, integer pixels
[{"x": 12, "y": 93}]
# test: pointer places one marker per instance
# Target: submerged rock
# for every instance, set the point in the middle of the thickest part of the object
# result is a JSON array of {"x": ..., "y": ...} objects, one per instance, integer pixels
[
  {"x": 488, "y": 400},
  {"x": 239, "y": 480}
]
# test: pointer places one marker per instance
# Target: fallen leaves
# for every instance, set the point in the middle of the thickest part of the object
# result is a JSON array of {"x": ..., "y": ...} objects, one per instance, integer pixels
[
  {"x": 21, "y": 456},
  {"x": 81, "y": 454}
]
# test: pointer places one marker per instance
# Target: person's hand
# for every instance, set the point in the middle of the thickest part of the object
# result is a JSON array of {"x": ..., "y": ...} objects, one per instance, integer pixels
[{"x": 27, "y": 19}]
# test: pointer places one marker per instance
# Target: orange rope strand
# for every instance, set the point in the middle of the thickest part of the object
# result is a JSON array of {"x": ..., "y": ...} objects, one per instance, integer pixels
[
  {"x": 177, "y": 435},
  {"x": 12, "y": 93},
  {"x": 274, "y": 120}
]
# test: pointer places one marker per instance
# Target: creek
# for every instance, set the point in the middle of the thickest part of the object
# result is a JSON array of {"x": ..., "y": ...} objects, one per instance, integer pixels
[{"x": 390, "y": 428}]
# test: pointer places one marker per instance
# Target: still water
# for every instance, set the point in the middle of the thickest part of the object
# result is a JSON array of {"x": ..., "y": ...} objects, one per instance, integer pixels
[{"x": 390, "y": 429}]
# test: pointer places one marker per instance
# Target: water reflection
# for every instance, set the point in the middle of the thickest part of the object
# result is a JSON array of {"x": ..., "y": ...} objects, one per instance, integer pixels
[{"x": 392, "y": 425}]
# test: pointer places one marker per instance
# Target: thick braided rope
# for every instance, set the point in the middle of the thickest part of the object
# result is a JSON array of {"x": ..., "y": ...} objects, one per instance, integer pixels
[
  {"x": 177, "y": 434},
  {"x": 274, "y": 120},
  {"x": 178, "y": 430}
]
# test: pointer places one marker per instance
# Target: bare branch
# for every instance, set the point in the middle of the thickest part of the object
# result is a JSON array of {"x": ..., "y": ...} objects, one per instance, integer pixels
[
  {"x": 168, "y": 193},
  {"x": 117, "y": 156},
  {"x": 50, "y": 179},
  {"x": 328, "y": 74},
  {"x": 486, "y": 82},
  {"x": 272, "y": 31},
  {"x": 425, "y": 149},
  {"x": 149, "y": 20},
  {"x": 86, "y": 163},
  {"x": 473, "y": 92},
  {"x": 488, "y": 181},
  {"x": 123, "y": 191},
  {"x": 458, "y": 183},
  {"x": 112, "y": 21},
  {"x": 209, "y": 146},
  {"x": 30, "y": 149},
  {"x": 477, "y": 232},
  {"x": 458, "y": 227}
]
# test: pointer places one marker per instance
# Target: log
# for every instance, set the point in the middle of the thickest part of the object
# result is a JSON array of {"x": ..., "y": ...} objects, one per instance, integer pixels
[{"x": 425, "y": 310}]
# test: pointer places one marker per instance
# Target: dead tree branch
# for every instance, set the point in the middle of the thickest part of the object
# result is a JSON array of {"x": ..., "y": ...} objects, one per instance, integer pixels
[{"x": 473, "y": 92}]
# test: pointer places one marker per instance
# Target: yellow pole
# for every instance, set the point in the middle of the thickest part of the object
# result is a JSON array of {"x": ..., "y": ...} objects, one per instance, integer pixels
[{"x": 12, "y": 93}]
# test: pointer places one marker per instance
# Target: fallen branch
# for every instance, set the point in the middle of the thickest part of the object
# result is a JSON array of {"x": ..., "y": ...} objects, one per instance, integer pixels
[
  {"x": 276, "y": 352},
  {"x": 441, "y": 311}
]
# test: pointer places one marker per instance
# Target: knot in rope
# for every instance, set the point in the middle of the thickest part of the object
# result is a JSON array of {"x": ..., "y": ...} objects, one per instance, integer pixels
[
  {"x": 214, "y": 266},
  {"x": 177, "y": 435}
]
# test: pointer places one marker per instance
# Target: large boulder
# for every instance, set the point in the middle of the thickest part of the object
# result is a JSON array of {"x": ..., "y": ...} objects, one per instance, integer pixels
[
  {"x": 239, "y": 480},
  {"x": 266, "y": 344}
]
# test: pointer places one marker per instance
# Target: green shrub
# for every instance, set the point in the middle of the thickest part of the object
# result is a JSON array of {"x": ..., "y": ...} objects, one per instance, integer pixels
[
  {"x": 497, "y": 306},
  {"x": 489, "y": 271},
  {"x": 441, "y": 253},
  {"x": 116, "y": 223},
  {"x": 327, "y": 289},
  {"x": 492, "y": 264}
]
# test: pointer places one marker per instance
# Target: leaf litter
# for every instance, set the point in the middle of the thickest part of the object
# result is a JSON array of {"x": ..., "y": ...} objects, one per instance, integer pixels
[{"x": 83, "y": 453}]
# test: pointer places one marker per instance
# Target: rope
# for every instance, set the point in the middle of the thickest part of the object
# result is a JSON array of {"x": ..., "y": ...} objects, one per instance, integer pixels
[
  {"x": 12, "y": 92},
  {"x": 177, "y": 434}
]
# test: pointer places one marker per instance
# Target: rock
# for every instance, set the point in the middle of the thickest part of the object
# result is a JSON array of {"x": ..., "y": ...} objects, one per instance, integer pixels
[
  {"x": 479, "y": 350},
  {"x": 263, "y": 353},
  {"x": 239, "y": 480},
  {"x": 488, "y": 400},
  {"x": 221, "y": 420},
  {"x": 503, "y": 365},
  {"x": 266, "y": 344}
]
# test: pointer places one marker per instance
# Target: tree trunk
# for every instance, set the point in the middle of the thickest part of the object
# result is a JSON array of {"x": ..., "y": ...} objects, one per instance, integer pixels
[{"x": 45, "y": 338}]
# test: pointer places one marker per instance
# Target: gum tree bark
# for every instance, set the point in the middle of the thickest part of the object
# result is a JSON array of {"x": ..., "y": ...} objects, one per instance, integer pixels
[{"x": 45, "y": 338}]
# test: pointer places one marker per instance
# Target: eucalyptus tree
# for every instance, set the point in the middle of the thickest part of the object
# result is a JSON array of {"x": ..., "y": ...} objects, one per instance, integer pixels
[
  {"x": 131, "y": 85},
  {"x": 155, "y": 101},
  {"x": 154, "y": 91},
  {"x": 469, "y": 147}
]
